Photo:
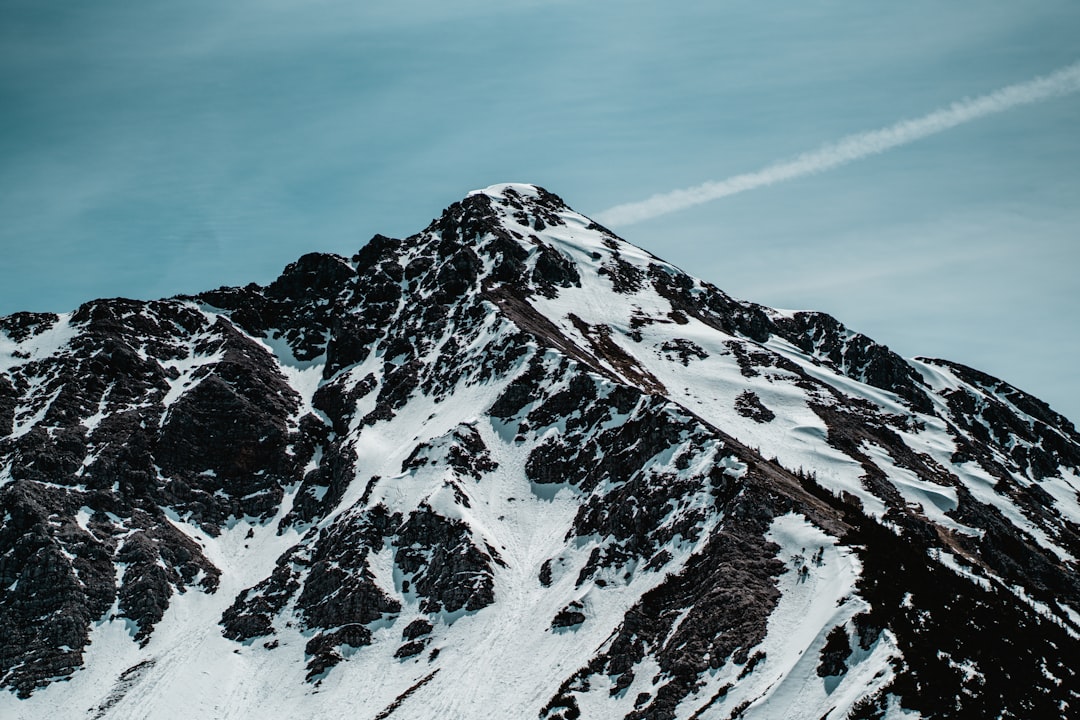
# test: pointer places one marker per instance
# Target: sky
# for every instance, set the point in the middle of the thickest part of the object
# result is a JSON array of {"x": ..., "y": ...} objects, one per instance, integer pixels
[{"x": 151, "y": 148}]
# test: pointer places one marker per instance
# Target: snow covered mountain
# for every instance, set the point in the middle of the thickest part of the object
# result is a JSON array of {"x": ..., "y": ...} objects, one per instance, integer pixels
[{"x": 514, "y": 467}]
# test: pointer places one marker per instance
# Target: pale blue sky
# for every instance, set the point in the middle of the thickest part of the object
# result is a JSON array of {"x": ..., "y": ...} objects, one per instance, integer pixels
[{"x": 151, "y": 148}]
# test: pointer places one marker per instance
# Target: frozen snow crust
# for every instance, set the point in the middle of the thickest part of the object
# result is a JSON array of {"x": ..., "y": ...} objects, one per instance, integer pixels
[{"x": 512, "y": 466}]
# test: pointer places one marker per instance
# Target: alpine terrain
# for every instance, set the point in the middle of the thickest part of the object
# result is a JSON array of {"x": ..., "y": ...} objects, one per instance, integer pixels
[{"x": 515, "y": 467}]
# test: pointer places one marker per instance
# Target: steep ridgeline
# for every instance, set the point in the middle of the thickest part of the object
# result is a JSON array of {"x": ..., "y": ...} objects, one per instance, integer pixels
[{"x": 514, "y": 467}]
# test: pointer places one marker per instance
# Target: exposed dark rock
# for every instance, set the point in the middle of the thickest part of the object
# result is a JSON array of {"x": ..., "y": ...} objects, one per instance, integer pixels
[
  {"x": 158, "y": 560},
  {"x": 324, "y": 486},
  {"x": 750, "y": 359},
  {"x": 711, "y": 306},
  {"x": 729, "y": 591},
  {"x": 835, "y": 653},
  {"x": 23, "y": 325},
  {"x": 684, "y": 350},
  {"x": 553, "y": 269},
  {"x": 405, "y": 695},
  {"x": 854, "y": 355},
  {"x": 463, "y": 450},
  {"x": 417, "y": 628},
  {"x": 545, "y": 573},
  {"x": 617, "y": 359},
  {"x": 749, "y": 405},
  {"x": 524, "y": 389},
  {"x": 569, "y": 617},
  {"x": 443, "y": 564},
  {"x": 625, "y": 278},
  {"x": 410, "y": 649},
  {"x": 251, "y": 615},
  {"x": 57, "y": 579},
  {"x": 323, "y": 649},
  {"x": 339, "y": 588}
]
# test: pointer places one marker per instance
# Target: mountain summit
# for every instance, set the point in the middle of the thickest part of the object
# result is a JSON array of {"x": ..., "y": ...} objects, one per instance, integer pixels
[{"x": 515, "y": 467}]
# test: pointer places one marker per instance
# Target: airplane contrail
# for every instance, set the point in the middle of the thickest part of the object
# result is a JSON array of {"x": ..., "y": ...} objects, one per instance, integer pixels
[{"x": 852, "y": 148}]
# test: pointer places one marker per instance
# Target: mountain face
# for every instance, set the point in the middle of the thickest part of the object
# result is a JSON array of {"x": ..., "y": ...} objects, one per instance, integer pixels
[{"x": 515, "y": 467}]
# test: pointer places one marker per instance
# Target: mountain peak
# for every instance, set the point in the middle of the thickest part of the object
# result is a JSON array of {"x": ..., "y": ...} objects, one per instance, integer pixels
[
  {"x": 514, "y": 446},
  {"x": 500, "y": 191}
]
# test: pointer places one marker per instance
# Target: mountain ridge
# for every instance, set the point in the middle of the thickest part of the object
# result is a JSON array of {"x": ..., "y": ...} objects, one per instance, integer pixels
[{"x": 619, "y": 478}]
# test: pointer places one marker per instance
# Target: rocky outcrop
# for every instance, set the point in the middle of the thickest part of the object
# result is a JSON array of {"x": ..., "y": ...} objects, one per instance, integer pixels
[{"x": 853, "y": 354}]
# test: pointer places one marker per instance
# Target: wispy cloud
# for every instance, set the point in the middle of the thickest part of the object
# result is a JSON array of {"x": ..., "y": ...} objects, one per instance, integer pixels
[{"x": 853, "y": 147}]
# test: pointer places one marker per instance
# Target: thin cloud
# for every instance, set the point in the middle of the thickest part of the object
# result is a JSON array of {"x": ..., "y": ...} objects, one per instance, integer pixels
[{"x": 853, "y": 147}]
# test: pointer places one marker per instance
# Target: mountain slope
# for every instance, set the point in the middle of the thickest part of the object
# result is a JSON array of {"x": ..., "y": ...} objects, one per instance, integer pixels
[{"x": 514, "y": 466}]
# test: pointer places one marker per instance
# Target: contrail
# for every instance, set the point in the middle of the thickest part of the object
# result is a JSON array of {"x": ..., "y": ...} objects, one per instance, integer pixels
[{"x": 853, "y": 147}]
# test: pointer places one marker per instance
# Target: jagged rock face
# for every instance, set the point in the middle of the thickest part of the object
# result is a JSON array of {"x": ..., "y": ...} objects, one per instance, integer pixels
[{"x": 513, "y": 466}]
